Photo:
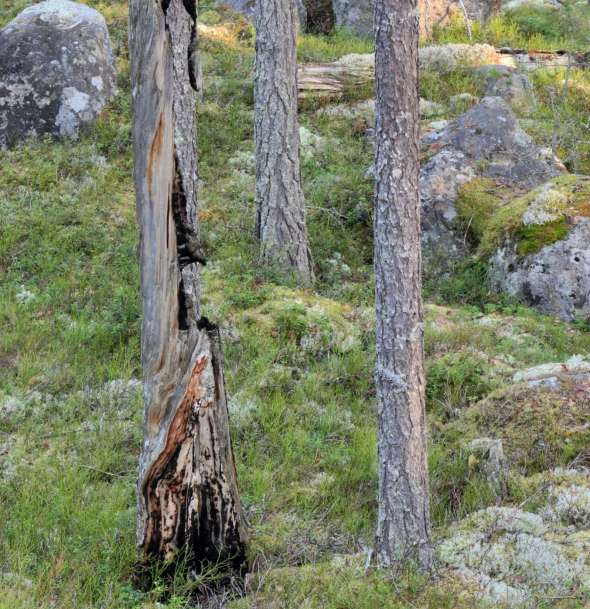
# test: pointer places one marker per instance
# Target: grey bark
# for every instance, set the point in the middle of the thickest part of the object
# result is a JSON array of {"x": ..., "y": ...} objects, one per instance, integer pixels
[
  {"x": 403, "y": 527},
  {"x": 280, "y": 216},
  {"x": 187, "y": 492}
]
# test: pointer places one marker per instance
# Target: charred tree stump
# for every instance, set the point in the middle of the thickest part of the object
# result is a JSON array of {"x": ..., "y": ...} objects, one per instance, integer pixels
[{"x": 188, "y": 497}]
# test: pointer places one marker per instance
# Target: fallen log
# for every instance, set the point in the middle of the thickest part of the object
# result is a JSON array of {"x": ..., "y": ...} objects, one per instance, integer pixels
[{"x": 351, "y": 72}]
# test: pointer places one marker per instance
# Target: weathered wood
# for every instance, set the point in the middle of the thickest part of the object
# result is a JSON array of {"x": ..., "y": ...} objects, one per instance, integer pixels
[
  {"x": 280, "y": 205},
  {"x": 333, "y": 79},
  {"x": 403, "y": 520},
  {"x": 187, "y": 492}
]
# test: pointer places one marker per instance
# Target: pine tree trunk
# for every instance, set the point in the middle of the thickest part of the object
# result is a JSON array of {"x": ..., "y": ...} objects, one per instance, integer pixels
[
  {"x": 280, "y": 220},
  {"x": 403, "y": 528},
  {"x": 187, "y": 492}
]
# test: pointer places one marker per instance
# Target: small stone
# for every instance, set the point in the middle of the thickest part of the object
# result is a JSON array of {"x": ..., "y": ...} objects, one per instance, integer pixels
[
  {"x": 25, "y": 296},
  {"x": 491, "y": 452}
]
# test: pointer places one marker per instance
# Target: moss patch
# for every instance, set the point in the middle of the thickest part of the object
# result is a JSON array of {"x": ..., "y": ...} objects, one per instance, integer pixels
[
  {"x": 476, "y": 204},
  {"x": 490, "y": 212},
  {"x": 531, "y": 239}
]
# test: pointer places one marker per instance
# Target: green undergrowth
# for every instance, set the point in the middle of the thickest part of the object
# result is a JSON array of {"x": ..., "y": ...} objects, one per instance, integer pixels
[
  {"x": 298, "y": 363},
  {"x": 526, "y": 27}
]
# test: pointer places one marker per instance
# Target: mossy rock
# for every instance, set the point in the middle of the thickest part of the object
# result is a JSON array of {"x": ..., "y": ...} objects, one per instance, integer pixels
[
  {"x": 491, "y": 213},
  {"x": 540, "y": 428}
]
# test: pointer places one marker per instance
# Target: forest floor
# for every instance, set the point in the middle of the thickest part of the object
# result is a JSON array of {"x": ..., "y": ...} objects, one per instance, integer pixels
[{"x": 299, "y": 363}]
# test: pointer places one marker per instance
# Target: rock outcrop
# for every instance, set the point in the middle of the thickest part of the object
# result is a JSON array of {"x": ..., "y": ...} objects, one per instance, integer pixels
[
  {"x": 508, "y": 83},
  {"x": 516, "y": 557},
  {"x": 56, "y": 71},
  {"x": 537, "y": 243},
  {"x": 555, "y": 375},
  {"x": 484, "y": 142},
  {"x": 554, "y": 280}
]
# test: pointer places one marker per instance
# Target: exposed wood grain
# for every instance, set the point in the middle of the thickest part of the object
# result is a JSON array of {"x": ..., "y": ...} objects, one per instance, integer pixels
[{"x": 187, "y": 491}]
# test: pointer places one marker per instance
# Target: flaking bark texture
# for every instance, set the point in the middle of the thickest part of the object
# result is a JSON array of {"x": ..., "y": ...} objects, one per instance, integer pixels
[
  {"x": 187, "y": 492},
  {"x": 403, "y": 528},
  {"x": 280, "y": 219}
]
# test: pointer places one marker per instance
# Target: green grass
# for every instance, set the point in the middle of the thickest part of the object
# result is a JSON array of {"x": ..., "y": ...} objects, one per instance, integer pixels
[
  {"x": 534, "y": 28},
  {"x": 299, "y": 364}
]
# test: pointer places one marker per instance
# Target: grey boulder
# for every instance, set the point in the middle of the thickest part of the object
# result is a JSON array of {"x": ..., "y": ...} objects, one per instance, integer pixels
[
  {"x": 555, "y": 280},
  {"x": 508, "y": 83},
  {"x": 487, "y": 142},
  {"x": 56, "y": 71}
]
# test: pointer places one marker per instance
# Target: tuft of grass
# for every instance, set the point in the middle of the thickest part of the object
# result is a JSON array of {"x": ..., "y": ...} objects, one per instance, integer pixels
[
  {"x": 456, "y": 380},
  {"x": 314, "y": 48}
]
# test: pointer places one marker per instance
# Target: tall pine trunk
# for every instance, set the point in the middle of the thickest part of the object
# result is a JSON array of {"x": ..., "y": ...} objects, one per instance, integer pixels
[
  {"x": 403, "y": 528},
  {"x": 280, "y": 219},
  {"x": 187, "y": 492}
]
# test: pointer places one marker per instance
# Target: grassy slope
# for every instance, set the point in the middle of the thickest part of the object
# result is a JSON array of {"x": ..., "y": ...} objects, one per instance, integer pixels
[{"x": 299, "y": 365}]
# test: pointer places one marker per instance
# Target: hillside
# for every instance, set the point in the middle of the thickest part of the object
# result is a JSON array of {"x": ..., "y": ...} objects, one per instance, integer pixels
[{"x": 509, "y": 438}]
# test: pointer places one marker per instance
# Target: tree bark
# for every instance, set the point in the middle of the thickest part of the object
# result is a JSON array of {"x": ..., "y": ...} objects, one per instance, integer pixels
[
  {"x": 187, "y": 491},
  {"x": 403, "y": 528},
  {"x": 280, "y": 220}
]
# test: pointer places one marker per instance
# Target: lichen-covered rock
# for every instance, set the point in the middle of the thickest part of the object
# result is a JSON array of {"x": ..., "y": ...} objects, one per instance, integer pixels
[
  {"x": 449, "y": 57},
  {"x": 441, "y": 177},
  {"x": 554, "y": 376},
  {"x": 515, "y": 557},
  {"x": 365, "y": 111},
  {"x": 543, "y": 256},
  {"x": 554, "y": 280},
  {"x": 508, "y": 83},
  {"x": 56, "y": 71},
  {"x": 484, "y": 142},
  {"x": 490, "y": 452},
  {"x": 489, "y": 133}
]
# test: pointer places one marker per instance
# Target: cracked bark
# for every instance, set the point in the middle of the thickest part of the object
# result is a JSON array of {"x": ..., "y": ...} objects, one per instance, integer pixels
[
  {"x": 403, "y": 526},
  {"x": 280, "y": 218},
  {"x": 187, "y": 490}
]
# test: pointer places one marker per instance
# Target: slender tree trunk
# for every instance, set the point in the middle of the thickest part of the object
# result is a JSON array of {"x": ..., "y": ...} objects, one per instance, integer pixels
[
  {"x": 403, "y": 528},
  {"x": 187, "y": 492},
  {"x": 280, "y": 220}
]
